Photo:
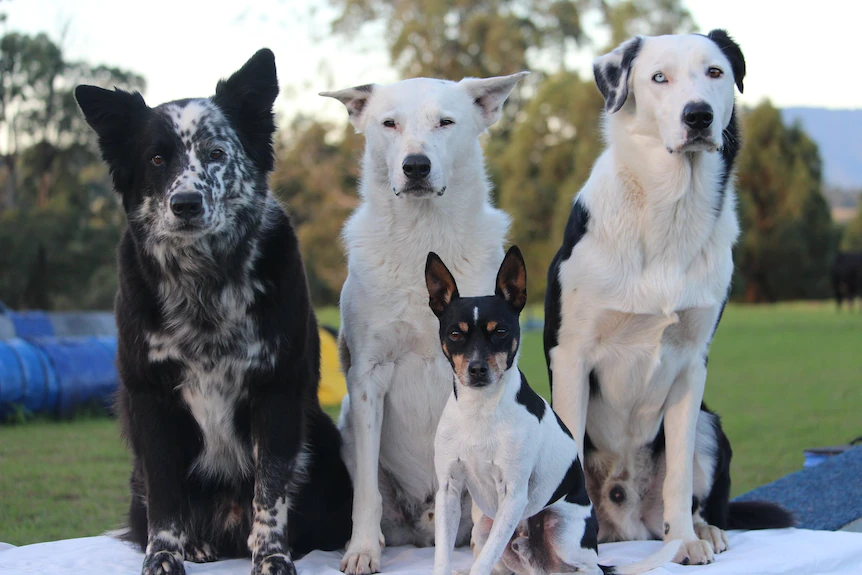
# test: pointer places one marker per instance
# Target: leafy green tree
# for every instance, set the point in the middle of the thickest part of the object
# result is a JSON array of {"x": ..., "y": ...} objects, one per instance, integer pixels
[
  {"x": 852, "y": 237},
  {"x": 787, "y": 233},
  {"x": 544, "y": 163},
  {"x": 316, "y": 175}
]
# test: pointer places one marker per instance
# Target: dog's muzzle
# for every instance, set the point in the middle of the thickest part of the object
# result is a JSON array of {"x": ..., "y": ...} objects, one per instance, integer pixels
[{"x": 478, "y": 373}]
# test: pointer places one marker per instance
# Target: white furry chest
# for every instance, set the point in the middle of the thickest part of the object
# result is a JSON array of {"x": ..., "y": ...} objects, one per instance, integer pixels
[{"x": 212, "y": 400}]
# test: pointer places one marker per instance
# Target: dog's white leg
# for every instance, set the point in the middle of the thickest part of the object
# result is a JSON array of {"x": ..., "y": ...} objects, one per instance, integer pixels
[
  {"x": 509, "y": 514},
  {"x": 447, "y": 516},
  {"x": 367, "y": 392},
  {"x": 571, "y": 392},
  {"x": 680, "y": 425}
]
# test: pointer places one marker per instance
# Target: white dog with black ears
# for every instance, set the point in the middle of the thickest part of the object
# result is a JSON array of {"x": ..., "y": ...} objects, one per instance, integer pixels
[
  {"x": 423, "y": 189},
  {"x": 636, "y": 291}
]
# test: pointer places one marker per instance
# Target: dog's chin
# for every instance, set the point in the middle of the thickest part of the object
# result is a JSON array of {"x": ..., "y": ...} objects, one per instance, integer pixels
[
  {"x": 188, "y": 231},
  {"x": 422, "y": 190},
  {"x": 694, "y": 144}
]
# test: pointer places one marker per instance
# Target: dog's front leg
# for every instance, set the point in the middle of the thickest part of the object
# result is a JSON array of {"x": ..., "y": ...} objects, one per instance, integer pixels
[
  {"x": 277, "y": 438},
  {"x": 571, "y": 391},
  {"x": 680, "y": 425},
  {"x": 509, "y": 514},
  {"x": 447, "y": 515},
  {"x": 367, "y": 391},
  {"x": 154, "y": 435}
]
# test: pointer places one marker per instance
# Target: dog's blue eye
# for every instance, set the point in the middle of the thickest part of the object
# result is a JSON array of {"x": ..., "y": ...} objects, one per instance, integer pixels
[
  {"x": 217, "y": 154},
  {"x": 454, "y": 335},
  {"x": 157, "y": 160},
  {"x": 714, "y": 72},
  {"x": 446, "y": 122},
  {"x": 659, "y": 78},
  {"x": 389, "y": 123}
]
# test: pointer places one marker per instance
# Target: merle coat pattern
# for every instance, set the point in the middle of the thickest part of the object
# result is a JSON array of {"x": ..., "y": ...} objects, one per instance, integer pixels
[
  {"x": 218, "y": 347},
  {"x": 636, "y": 291}
]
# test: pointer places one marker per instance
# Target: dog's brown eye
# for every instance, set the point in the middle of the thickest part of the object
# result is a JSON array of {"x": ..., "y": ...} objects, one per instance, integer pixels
[
  {"x": 389, "y": 123},
  {"x": 217, "y": 154},
  {"x": 715, "y": 72},
  {"x": 157, "y": 160},
  {"x": 454, "y": 335},
  {"x": 502, "y": 332},
  {"x": 446, "y": 122}
]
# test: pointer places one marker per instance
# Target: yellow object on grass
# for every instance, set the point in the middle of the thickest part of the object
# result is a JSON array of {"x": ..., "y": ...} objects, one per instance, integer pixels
[{"x": 333, "y": 387}]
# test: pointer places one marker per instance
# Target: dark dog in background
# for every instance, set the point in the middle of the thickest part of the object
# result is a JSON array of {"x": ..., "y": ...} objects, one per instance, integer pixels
[
  {"x": 847, "y": 278},
  {"x": 218, "y": 345}
]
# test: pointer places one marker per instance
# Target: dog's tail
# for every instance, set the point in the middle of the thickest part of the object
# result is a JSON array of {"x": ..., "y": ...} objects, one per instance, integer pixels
[
  {"x": 657, "y": 559},
  {"x": 758, "y": 515}
]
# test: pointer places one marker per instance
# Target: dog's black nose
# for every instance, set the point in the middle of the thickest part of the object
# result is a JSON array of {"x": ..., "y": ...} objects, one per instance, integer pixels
[
  {"x": 697, "y": 115},
  {"x": 187, "y": 205},
  {"x": 478, "y": 369},
  {"x": 618, "y": 494},
  {"x": 416, "y": 166}
]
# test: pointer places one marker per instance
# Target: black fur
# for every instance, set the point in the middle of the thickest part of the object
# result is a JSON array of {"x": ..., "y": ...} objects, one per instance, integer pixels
[
  {"x": 169, "y": 335},
  {"x": 847, "y": 278},
  {"x": 576, "y": 228},
  {"x": 732, "y": 52},
  {"x": 572, "y": 487},
  {"x": 612, "y": 79},
  {"x": 530, "y": 399},
  {"x": 731, "y": 143}
]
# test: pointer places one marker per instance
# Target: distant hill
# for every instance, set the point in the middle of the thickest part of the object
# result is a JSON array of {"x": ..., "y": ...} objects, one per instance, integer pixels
[{"x": 838, "y": 133}]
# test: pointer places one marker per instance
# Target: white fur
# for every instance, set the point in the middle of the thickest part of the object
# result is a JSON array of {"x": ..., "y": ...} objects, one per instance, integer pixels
[
  {"x": 512, "y": 463},
  {"x": 642, "y": 289},
  {"x": 398, "y": 379}
]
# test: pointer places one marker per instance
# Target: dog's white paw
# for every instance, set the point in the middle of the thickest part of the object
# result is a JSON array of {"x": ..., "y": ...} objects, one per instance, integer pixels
[
  {"x": 163, "y": 563},
  {"x": 713, "y": 535},
  {"x": 698, "y": 552},
  {"x": 362, "y": 559}
]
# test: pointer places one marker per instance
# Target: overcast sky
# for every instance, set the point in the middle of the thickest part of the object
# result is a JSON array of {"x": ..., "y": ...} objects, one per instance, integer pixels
[{"x": 797, "y": 53}]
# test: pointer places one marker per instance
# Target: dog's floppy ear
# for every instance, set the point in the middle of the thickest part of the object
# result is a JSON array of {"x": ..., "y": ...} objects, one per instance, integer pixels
[
  {"x": 113, "y": 115},
  {"x": 247, "y": 98},
  {"x": 612, "y": 73},
  {"x": 355, "y": 100},
  {"x": 512, "y": 279},
  {"x": 489, "y": 94},
  {"x": 732, "y": 52},
  {"x": 441, "y": 285}
]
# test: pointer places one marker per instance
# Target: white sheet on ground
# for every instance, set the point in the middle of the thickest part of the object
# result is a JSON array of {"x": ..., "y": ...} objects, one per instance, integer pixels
[{"x": 795, "y": 551}]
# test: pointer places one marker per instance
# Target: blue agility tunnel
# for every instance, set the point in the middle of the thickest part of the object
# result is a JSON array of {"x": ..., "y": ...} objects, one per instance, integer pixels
[{"x": 54, "y": 375}]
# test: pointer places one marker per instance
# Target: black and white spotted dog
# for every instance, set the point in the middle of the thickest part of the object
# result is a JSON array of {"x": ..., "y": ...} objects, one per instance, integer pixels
[
  {"x": 503, "y": 442},
  {"x": 636, "y": 291},
  {"x": 218, "y": 345}
]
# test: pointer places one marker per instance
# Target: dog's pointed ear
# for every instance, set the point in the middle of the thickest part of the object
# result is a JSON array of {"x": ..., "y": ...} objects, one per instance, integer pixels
[
  {"x": 612, "y": 72},
  {"x": 247, "y": 97},
  {"x": 732, "y": 52},
  {"x": 113, "y": 115},
  {"x": 512, "y": 279},
  {"x": 489, "y": 94},
  {"x": 356, "y": 101},
  {"x": 441, "y": 285}
]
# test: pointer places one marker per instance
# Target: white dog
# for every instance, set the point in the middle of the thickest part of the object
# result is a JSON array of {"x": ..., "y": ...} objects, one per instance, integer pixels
[
  {"x": 423, "y": 189},
  {"x": 636, "y": 291},
  {"x": 500, "y": 439}
]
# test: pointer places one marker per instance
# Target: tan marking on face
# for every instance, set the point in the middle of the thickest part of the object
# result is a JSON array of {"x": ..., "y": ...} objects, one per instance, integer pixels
[
  {"x": 514, "y": 344},
  {"x": 445, "y": 350},
  {"x": 492, "y": 325},
  {"x": 497, "y": 363},
  {"x": 461, "y": 363},
  {"x": 463, "y": 326}
]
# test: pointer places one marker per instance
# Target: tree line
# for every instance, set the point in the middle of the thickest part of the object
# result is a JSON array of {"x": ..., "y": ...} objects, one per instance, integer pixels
[{"x": 59, "y": 221}]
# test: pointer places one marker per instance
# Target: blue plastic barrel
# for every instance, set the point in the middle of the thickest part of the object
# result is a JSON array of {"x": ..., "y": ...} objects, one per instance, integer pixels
[
  {"x": 11, "y": 378},
  {"x": 84, "y": 368},
  {"x": 40, "y": 388},
  {"x": 31, "y": 323}
]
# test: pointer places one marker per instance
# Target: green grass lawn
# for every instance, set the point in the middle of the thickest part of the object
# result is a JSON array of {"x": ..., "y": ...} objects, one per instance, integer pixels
[{"x": 783, "y": 377}]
